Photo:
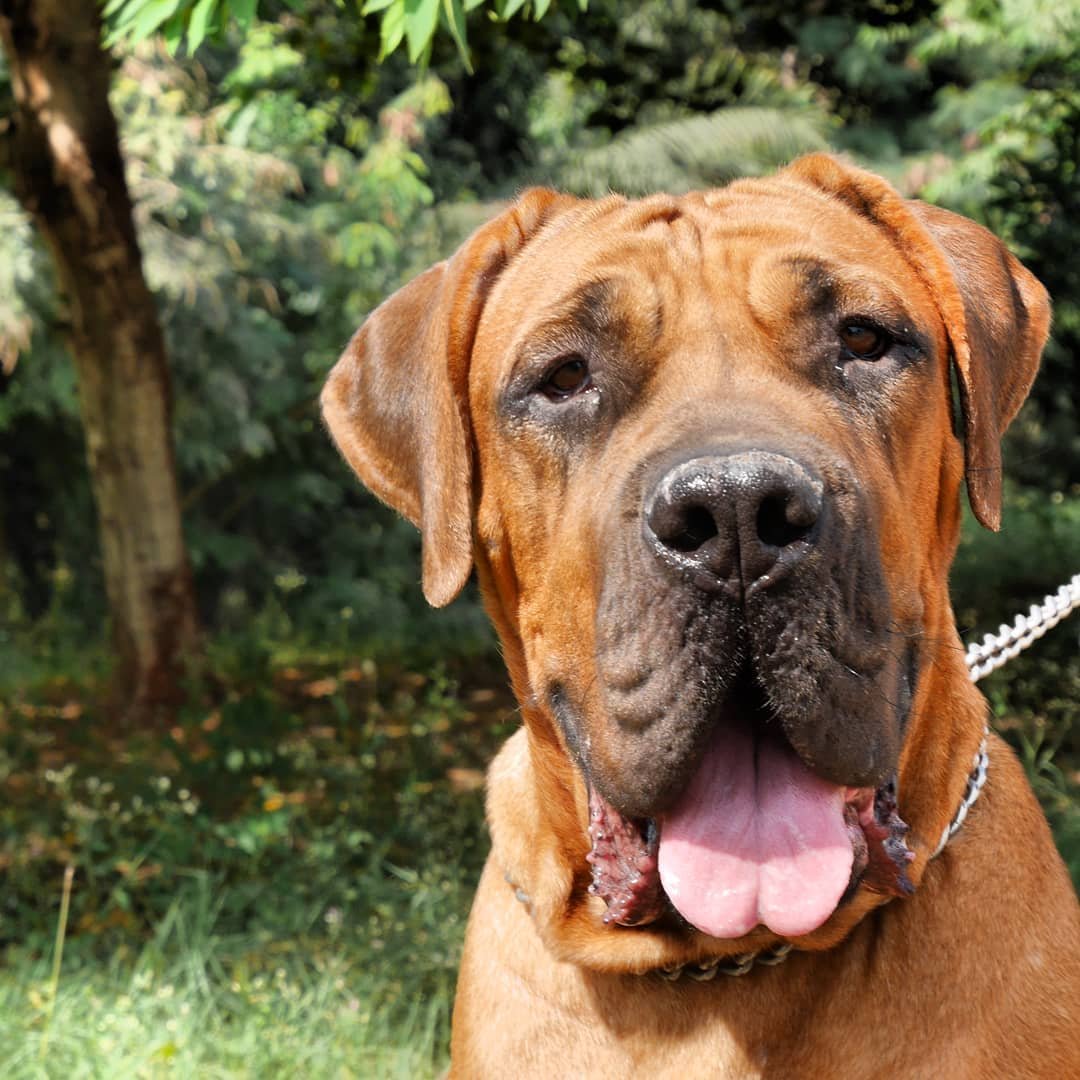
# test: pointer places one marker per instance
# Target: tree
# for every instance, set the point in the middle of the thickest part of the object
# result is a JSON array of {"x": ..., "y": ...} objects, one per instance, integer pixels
[{"x": 63, "y": 150}]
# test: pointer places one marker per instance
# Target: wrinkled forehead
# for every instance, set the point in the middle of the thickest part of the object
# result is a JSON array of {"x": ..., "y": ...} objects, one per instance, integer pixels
[{"x": 760, "y": 249}]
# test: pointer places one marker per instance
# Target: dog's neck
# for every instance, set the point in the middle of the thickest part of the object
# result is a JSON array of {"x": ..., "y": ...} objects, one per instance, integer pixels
[{"x": 744, "y": 963}]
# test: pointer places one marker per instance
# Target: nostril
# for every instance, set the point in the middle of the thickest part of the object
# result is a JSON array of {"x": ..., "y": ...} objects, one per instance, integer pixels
[
  {"x": 698, "y": 526},
  {"x": 782, "y": 520}
]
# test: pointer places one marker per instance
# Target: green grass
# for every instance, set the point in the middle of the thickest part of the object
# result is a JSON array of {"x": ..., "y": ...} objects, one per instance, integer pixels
[
  {"x": 195, "y": 1003},
  {"x": 277, "y": 886}
]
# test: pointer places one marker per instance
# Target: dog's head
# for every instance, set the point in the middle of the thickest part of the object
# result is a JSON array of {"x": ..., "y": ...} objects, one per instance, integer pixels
[{"x": 702, "y": 451}]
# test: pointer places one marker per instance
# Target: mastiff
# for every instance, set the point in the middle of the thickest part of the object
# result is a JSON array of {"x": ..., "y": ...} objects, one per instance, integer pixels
[{"x": 704, "y": 454}]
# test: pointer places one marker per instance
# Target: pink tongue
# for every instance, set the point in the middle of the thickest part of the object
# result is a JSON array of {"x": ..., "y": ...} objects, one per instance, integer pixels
[{"x": 755, "y": 842}]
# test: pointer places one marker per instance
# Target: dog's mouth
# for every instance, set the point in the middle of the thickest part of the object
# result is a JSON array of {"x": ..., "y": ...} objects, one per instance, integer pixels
[{"x": 755, "y": 839}]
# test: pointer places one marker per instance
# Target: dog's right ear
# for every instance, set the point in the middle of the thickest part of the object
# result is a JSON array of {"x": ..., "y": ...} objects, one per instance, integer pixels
[{"x": 396, "y": 402}]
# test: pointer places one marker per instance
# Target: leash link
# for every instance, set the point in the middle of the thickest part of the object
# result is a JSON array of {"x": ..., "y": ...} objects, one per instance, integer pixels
[{"x": 996, "y": 650}]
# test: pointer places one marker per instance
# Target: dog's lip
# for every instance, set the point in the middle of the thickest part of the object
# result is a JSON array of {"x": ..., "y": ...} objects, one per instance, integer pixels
[{"x": 862, "y": 799}]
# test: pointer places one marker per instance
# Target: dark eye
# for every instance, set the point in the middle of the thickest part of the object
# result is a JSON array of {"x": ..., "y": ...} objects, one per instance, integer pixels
[
  {"x": 863, "y": 341},
  {"x": 567, "y": 379}
]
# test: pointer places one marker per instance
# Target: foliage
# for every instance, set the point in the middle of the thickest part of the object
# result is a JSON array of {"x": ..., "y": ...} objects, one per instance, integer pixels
[
  {"x": 265, "y": 248},
  {"x": 301, "y": 848},
  {"x": 198, "y": 1002},
  {"x": 178, "y": 21},
  {"x": 412, "y": 22},
  {"x": 707, "y": 150}
]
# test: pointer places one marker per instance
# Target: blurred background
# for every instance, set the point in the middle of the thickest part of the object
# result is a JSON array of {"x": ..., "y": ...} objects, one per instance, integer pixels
[{"x": 223, "y": 702}]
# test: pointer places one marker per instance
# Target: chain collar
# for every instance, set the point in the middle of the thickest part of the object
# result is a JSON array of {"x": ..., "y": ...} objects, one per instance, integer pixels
[
  {"x": 743, "y": 963},
  {"x": 980, "y": 765}
]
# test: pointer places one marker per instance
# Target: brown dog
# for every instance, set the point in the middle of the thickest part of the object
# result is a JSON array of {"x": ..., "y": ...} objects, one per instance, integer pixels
[{"x": 701, "y": 452}]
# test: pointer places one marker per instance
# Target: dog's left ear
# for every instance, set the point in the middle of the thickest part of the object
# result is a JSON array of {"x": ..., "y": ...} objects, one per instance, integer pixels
[
  {"x": 396, "y": 402},
  {"x": 996, "y": 313}
]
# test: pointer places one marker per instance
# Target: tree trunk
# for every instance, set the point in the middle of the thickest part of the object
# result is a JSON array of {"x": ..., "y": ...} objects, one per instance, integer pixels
[{"x": 69, "y": 175}]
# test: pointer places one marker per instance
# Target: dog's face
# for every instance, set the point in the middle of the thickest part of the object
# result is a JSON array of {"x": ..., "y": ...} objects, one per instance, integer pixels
[
  {"x": 699, "y": 445},
  {"x": 713, "y": 419}
]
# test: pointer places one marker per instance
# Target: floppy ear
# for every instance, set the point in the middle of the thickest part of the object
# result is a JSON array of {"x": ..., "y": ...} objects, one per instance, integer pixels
[
  {"x": 996, "y": 313},
  {"x": 396, "y": 401}
]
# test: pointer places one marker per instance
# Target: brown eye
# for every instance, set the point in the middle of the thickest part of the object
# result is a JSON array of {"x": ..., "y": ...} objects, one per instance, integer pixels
[
  {"x": 863, "y": 341},
  {"x": 568, "y": 378}
]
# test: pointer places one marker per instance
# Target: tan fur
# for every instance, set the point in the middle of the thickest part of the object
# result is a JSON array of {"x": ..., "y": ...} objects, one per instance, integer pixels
[{"x": 978, "y": 974}]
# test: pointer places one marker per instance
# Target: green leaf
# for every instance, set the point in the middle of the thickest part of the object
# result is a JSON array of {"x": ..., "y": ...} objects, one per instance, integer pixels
[
  {"x": 201, "y": 15},
  {"x": 372, "y": 7},
  {"x": 138, "y": 19},
  {"x": 509, "y": 8},
  {"x": 455, "y": 21},
  {"x": 391, "y": 28},
  {"x": 173, "y": 32},
  {"x": 540, "y": 9},
  {"x": 421, "y": 18},
  {"x": 243, "y": 11}
]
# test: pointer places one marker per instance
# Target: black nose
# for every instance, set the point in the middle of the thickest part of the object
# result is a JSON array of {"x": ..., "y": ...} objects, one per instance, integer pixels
[{"x": 737, "y": 522}]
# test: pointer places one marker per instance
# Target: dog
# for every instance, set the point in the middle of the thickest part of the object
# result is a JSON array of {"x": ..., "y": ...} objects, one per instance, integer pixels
[{"x": 704, "y": 457}]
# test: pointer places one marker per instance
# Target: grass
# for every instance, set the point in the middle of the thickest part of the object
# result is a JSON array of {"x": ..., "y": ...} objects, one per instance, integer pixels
[
  {"x": 194, "y": 1002},
  {"x": 277, "y": 886}
]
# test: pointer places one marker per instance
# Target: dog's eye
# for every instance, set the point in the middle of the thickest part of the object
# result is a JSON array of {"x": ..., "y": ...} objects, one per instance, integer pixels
[
  {"x": 570, "y": 377},
  {"x": 863, "y": 341}
]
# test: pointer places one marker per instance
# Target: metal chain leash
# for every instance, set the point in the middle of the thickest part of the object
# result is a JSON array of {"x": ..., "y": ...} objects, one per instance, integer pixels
[
  {"x": 997, "y": 649},
  {"x": 993, "y": 652},
  {"x": 976, "y": 778}
]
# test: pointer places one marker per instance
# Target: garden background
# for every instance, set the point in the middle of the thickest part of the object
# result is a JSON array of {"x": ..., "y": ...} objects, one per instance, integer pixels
[{"x": 274, "y": 816}]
